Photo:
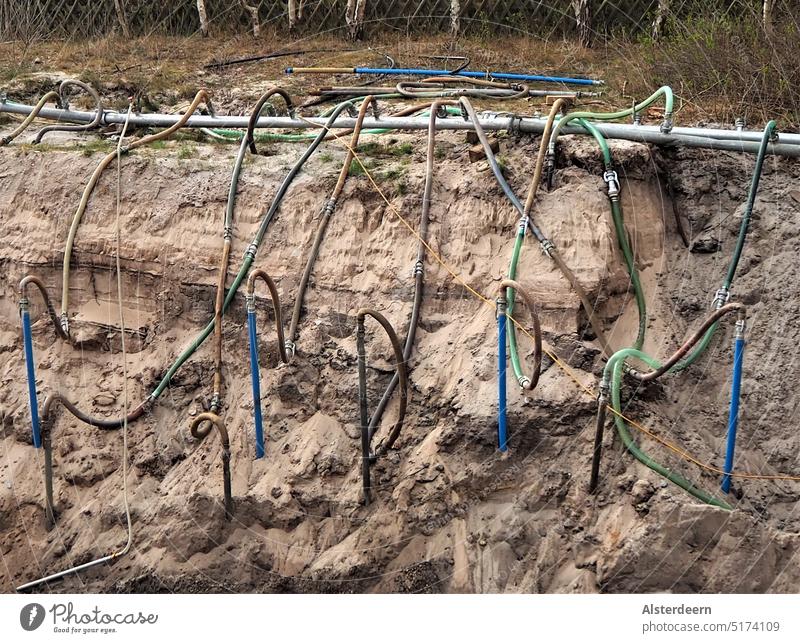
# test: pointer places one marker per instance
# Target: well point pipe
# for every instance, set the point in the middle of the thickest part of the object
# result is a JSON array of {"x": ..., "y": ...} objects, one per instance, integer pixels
[
  {"x": 367, "y": 456},
  {"x": 733, "y": 415},
  {"x": 705, "y": 138},
  {"x": 253, "y": 340},
  {"x": 201, "y": 97},
  {"x": 487, "y": 75}
]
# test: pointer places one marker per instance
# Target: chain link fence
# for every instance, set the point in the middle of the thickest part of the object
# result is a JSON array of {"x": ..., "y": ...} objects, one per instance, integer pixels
[{"x": 48, "y": 19}]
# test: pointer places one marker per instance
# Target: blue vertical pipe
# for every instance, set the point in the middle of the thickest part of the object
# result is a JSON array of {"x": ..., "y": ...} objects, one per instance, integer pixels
[
  {"x": 733, "y": 416},
  {"x": 502, "y": 434},
  {"x": 29, "y": 367},
  {"x": 256, "y": 378}
]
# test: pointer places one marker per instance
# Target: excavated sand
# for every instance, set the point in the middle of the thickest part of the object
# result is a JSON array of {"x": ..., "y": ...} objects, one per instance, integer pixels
[{"x": 450, "y": 514}]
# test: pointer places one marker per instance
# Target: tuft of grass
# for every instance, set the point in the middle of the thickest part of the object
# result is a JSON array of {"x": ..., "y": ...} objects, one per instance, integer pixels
[
  {"x": 185, "y": 152},
  {"x": 326, "y": 157}
]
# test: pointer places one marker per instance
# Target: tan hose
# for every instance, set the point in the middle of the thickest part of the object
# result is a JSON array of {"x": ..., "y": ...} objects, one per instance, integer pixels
[
  {"x": 406, "y": 88},
  {"x": 322, "y": 226},
  {"x": 201, "y": 97},
  {"x": 199, "y": 434},
  {"x": 5, "y": 140},
  {"x": 588, "y": 307}
]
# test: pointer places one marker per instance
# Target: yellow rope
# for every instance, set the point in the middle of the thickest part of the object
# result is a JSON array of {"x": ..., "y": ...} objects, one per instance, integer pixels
[{"x": 563, "y": 366}]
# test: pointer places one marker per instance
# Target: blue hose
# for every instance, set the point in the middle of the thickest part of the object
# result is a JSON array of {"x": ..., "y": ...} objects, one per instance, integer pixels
[
  {"x": 468, "y": 74},
  {"x": 254, "y": 375},
  {"x": 29, "y": 367},
  {"x": 502, "y": 432},
  {"x": 733, "y": 416}
]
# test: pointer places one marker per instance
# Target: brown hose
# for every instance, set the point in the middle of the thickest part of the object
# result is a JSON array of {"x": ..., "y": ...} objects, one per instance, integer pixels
[
  {"x": 47, "y": 423},
  {"x": 51, "y": 311},
  {"x": 367, "y": 457},
  {"x": 249, "y": 141},
  {"x": 201, "y": 97},
  {"x": 5, "y": 140},
  {"x": 276, "y": 307},
  {"x": 199, "y": 434},
  {"x": 322, "y": 226},
  {"x": 530, "y": 383}
]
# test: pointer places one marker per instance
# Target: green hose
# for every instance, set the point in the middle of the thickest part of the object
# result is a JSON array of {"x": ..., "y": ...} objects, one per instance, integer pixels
[
  {"x": 613, "y": 370},
  {"x": 722, "y": 294}
]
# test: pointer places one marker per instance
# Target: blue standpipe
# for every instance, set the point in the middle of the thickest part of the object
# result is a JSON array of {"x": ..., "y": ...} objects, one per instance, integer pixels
[
  {"x": 733, "y": 416},
  {"x": 31, "y": 372},
  {"x": 256, "y": 378},
  {"x": 497, "y": 75},
  {"x": 502, "y": 431}
]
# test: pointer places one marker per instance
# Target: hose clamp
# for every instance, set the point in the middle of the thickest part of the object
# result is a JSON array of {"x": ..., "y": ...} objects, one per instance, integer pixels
[
  {"x": 419, "y": 268},
  {"x": 250, "y": 300},
  {"x": 524, "y": 382},
  {"x": 23, "y": 304},
  {"x": 721, "y": 297},
  {"x": 515, "y": 126},
  {"x": 739, "y": 329},
  {"x": 290, "y": 347},
  {"x": 774, "y": 136},
  {"x": 630, "y": 370},
  {"x": 612, "y": 180},
  {"x": 523, "y": 224},
  {"x": 637, "y": 118},
  {"x": 215, "y": 404},
  {"x": 547, "y": 247},
  {"x": 227, "y": 233},
  {"x": 604, "y": 389},
  {"x": 739, "y": 124},
  {"x": 666, "y": 125},
  {"x": 549, "y": 165},
  {"x": 251, "y": 251},
  {"x": 65, "y": 323}
]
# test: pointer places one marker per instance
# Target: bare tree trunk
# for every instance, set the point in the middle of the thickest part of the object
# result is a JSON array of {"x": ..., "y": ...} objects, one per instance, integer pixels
[
  {"x": 295, "y": 10},
  {"x": 661, "y": 15},
  {"x": 253, "y": 11},
  {"x": 583, "y": 19},
  {"x": 354, "y": 16},
  {"x": 769, "y": 5},
  {"x": 122, "y": 19},
  {"x": 201, "y": 11},
  {"x": 455, "y": 18}
]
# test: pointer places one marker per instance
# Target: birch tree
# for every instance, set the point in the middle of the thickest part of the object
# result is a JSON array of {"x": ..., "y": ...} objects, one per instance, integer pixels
[
  {"x": 661, "y": 14},
  {"x": 122, "y": 19},
  {"x": 201, "y": 11},
  {"x": 583, "y": 20},
  {"x": 766, "y": 15},
  {"x": 253, "y": 11},
  {"x": 354, "y": 16},
  {"x": 455, "y": 18}
]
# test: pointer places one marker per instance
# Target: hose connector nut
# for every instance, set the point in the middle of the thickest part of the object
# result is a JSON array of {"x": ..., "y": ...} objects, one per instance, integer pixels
[
  {"x": 739, "y": 329},
  {"x": 251, "y": 251},
  {"x": 667, "y": 124},
  {"x": 23, "y": 304},
  {"x": 548, "y": 247},
  {"x": 523, "y": 225},
  {"x": 612, "y": 181},
  {"x": 419, "y": 268},
  {"x": 739, "y": 124},
  {"x": 65, "y": 323},
  {"x": 250, "y": 304},
  {"x": 227, "y": 233},
  {"x": 721, "y": 297},
  {"x": 290, "y": 347},
  {"x": 330, "y": 206},
  {"x": 524, "y": 382},
  {"x": 501, "y": 306}
]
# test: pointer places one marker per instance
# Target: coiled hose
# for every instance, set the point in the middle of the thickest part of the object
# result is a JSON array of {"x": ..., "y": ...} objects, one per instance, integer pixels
[
  {"x": 509, "y": 285},
  {"x": 201, "y": 97},
  {"x": 612, "y": 378},
  {"x": 248, "y": 141},
  {"x": 98, "y": 117},
  {"x": 253, "y": 340},
  {"x": 367, "y": 455},
  {"x": 5, "y": 140}
]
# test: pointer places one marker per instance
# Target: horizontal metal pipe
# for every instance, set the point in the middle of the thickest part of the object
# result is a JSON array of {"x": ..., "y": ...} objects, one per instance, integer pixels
[{"x": 719, "y": 139}]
